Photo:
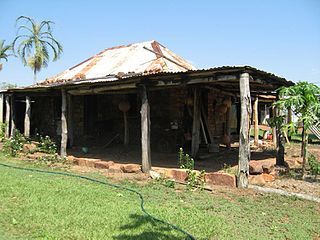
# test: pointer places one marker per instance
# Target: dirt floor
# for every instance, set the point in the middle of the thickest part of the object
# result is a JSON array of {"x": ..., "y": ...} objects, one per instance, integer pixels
[{"x": 211, "y": 162}]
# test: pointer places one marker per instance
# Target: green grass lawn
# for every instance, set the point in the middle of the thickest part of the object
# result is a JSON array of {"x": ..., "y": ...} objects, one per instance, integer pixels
[{"x": 40, "y": 206}]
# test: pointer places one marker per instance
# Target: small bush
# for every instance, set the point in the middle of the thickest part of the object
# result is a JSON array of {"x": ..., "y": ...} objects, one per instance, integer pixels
[
  {"x": 46, "y": 145},
  {"x": 53, "y": 159},
  {"x": 195, "y": 180},
  {"x": 314, "y": 165},
  {"x": 2, "y": 131},
  {"x": 185, "y": 161},
  {"x": 14, "y": 145}
]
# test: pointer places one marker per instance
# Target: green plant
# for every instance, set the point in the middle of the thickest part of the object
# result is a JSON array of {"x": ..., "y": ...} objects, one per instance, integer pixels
[
  {"x": 14, "y": 145},
  {"x": 53, "y": 159},
  {"x": 185, "y": 161},
  {"x": 2, "y": 131},
  {"x": 195, "y": 180},
  {"x": 46, "y": 145},
  {"x": 228, "y": 169},
  {"x": 314, "y": 165}
]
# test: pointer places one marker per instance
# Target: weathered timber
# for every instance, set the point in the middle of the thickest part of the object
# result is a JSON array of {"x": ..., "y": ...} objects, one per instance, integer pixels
[
  {"x": 13, "y": 115},
  {"x": 145, "y": 130},
  {"x": 126, "y": 129},
  {"x": 27, "y": 117},
  {"x": 274, "y": 129},
  {"x": 1, "y": 107},
  {"x": 8, "y": 111},
  {"x": 280, "y": 142},
  {"x": 70, "y": 120},
  {"x": 228, "y": 127},
  {"x": 255, "y": 121},
  {"x": 64, "y": 127},
  {"x": 196, "y": 123},
  {"x": 244, "y": 144}
]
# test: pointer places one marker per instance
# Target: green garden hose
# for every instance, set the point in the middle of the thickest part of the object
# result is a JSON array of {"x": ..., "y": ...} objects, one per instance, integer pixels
[{"x": 188, "y": 236}]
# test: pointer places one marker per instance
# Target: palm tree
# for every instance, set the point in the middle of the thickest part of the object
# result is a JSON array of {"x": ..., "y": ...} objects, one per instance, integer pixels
[
  {"x": 33, "y": 42},
  {"x": 303, "y": 100},
  {"x": 4, "y": 49}
]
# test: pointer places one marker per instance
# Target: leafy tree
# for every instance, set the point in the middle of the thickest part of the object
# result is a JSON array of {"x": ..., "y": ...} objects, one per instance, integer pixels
[
  {"x": 303, "y": 100},
  {"x": 33, "y": 42},
  {"x": 4, "y": 51}
]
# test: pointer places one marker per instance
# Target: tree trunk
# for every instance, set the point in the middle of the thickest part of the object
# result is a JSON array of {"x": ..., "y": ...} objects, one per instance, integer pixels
[
  {"x": 27, "y": 118},
  {"x": 244, "y": 144},
  {"x": 305, "y": 146},
  {"x": 64, "y": 127},
  {"x": 1, "y": 107},
  {"x": 145, "y": 131},
  {"x": 303, "y": 141}
]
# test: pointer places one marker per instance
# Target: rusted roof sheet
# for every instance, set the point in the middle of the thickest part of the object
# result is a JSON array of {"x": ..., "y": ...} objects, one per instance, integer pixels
[{"x": 135, "y": 59}]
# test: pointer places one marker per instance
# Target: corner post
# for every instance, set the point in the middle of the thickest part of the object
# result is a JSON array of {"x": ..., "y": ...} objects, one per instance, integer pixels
[
  {"x": 1, "y": 107},
  {"x": 196, "y": 123},
  {"x": 256, "y": 121},
  {"x": 13, "y": 116},
  {"x": 7, "y": 121},
  {"x": 145, "y": 130},
  {"x": 244, "y": 143},
  {"x": 70, "y": 118},
  {"x": 27, "y": 117},
  {"x": 64, "y": 127}
]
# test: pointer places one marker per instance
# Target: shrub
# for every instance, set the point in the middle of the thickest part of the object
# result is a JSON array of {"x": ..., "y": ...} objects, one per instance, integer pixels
[
  {"x": 46, "y": 145},
  {"x": 314, "y": 165},
  {"x": 14, "y": 145},
  {"x": 2, "y": 131},
  {"x": 185, "y": 161}
]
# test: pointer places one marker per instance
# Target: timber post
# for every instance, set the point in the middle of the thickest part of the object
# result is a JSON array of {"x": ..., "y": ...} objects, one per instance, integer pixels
[
  {"x": 64, "y": 127},
  {"x": 1, "y": 107},
  {"x": 70, "y": 117},
  {"x": 274, "y": 129},
  {"x": 27, "y": 117},
  {"x": 145, "y": 130},
  {"x": 256, "y": 121},
  {"x": 280, "y": 142},
  {"x": 244, "y": 136},
  {"x": 13, "y": 115},
  {"x": 196, "y": 123},
  {"x": 7, "y": 121}
]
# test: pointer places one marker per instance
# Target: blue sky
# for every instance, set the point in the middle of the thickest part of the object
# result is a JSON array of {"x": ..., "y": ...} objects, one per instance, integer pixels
[{"x": 278, "y": 36}]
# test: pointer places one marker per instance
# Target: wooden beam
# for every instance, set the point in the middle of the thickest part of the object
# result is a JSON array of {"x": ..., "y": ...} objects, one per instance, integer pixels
[
  {"x": 1, "y": 107},
  {"x": 244, "y": 143},
  {"x": 196, "y": 123},
  {"x": 8, "y": 111},
  {"x": 64, "y": 127},
  {"x": 27, "y": 117},
  {"x": 70, "y": 120},
  {"x": 274, "y": 129},
  {"x": 13, "y": 116},
  {"x": 145, "y": 130},
  {"x": 255, "y": 121}
]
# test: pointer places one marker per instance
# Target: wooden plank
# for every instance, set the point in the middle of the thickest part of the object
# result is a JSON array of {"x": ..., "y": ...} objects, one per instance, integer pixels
[
  {"x": 196, "y": 123},
  {"x": 64, "y": 127},
  {"x": 274, "y": 130},
  {"x": 8, "y": 111},
  {"x": 27, "y": 117},
  {"x": 70, "y": 120},
  {"x": 13, "y": 115},
  {"x": 255, "y": 120},
  {"x": 1, "y": 107},
  {"x": 228, "y": 127},
  {"x": 280, "y": 142},
  {"x": 145, "y": 130},
  {"x": 244, "y": 144}
]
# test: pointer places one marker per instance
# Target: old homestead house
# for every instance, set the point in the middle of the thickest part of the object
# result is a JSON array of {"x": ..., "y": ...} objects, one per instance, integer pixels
[{"x": 146, "y": 96}]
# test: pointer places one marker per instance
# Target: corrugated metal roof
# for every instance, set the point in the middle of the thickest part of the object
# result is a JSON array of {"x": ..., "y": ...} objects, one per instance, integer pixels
[{"x": 140, "y": 58}]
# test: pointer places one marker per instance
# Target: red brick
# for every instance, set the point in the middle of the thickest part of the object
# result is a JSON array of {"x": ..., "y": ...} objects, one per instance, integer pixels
[{"x": 223, "y": 179}]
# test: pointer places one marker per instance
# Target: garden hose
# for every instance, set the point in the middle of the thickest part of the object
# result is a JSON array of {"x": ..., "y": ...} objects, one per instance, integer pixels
[{"x": 188, "y": 236}]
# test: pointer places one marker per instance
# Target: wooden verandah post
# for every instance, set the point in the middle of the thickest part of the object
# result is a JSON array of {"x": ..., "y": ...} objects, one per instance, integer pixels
[
  {"x": 13, "y": 115},
  {"x": 7, "y": 121},
  {"x": 145, "y": 130},
  {"x": 244, "y": 136},
  {"x": 1, "y": 107},
  {"x": 256, "y": 121},
  {"x": 27, "y": 117},
  {"x": 196, "y": 123},
  {"x": 70, "y": 118},
  {"x": 64, "y": 127}
]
